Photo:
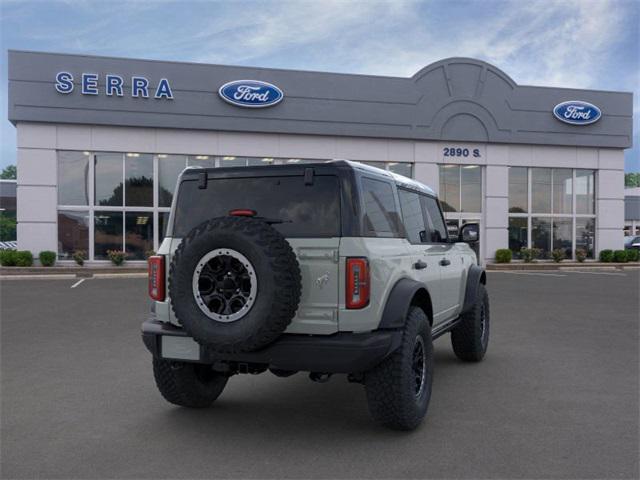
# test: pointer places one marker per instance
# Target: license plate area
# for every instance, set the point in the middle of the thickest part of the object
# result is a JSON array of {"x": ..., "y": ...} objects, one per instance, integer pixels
[{"x": 179, "y": 348}]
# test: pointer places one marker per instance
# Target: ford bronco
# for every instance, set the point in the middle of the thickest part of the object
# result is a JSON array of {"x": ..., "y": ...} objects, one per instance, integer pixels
[{"x": 327, "y": 268}]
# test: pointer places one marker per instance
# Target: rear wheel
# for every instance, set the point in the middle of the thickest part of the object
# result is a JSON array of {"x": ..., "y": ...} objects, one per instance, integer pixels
[
  {"x": 188, "y": 384},
  {"x": 470, "y": 338},
  {"x": 399, "y": 388}
]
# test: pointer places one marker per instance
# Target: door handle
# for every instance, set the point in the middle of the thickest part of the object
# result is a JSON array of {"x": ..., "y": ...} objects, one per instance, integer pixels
[
  {"x": 419, "y": 265},
  {"x": 444, "y": 262}
]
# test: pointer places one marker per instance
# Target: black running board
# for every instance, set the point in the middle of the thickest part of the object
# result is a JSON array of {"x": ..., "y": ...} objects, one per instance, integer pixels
[{"x": 444, "y": 327}]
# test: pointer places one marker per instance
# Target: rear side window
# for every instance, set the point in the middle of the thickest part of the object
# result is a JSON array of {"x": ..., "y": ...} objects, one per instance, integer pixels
[
  {"x": 381, "y": 218},
  {"x": 437, "y": 228},
  {"x": 305, "y": 210},
  {"x": 412, "y": 216}
]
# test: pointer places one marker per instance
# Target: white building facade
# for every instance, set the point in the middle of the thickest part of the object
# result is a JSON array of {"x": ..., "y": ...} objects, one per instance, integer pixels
[{"x": 97, "y": 171}]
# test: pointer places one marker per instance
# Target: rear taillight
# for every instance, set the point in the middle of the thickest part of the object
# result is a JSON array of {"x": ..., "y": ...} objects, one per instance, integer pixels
[
  {"x": 358, "y": 287},
  {"x": 156, "y": 277}
]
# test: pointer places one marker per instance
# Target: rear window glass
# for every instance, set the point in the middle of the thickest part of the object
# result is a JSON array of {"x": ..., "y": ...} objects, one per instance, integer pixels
[
  {"x": 381, "y": 218},
  {"x": 306, "y": 210}
]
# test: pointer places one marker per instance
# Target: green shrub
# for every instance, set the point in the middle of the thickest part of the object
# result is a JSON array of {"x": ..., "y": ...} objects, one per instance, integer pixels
[
  {"x": 47, "y": 258},
  {"x": 620, "y": 256},
  {"x": 581, "y": 254},
  {"x": 149, "y": 253},
  {"x": 117, "y": 257},
  {"x": 503, "y": 255},
  {"x": 8, "y": 258},
  {"x": 526, "y": 254},
  {"x": 558, "y": 255},
  {"x": 80, "y": 256},
  {"x": 24, "y": 258},
  {"x": 633, "y": 255},
  {"x": 606, "y": 255}
]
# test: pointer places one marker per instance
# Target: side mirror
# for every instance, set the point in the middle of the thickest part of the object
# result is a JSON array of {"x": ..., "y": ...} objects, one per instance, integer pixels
[{"x": 469, "y": 233}]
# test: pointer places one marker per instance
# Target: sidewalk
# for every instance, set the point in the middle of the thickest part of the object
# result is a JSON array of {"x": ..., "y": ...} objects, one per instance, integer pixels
[
  {"x": 562, "y": 265},
  {"x": 74, "y": 271}
]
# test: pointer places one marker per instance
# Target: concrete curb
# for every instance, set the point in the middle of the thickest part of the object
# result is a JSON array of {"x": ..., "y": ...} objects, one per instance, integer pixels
[
  {"x": 54, "y": 276},
  {"x": 80, "y": 272},
  {"x": 497, "y": 267}
]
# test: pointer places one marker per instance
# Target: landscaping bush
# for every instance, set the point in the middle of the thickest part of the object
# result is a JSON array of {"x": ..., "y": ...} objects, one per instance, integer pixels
[
  {"x": 581, "y": 254},
  {"x": 47, "y": 258},
  {"x": 558, "y": 255},
  {"x": 606, "y": 256},
  {"x": 503, "y": 255},
  {"x": 117, "y": 257},
  {"x": 526, "y": 254},
  {"x": 80, "y": 256},
  {"x": 620, "y": 256},
  {"x": 149, "y": 253},
  {"x": 24, "y": 258},
  {"x": 633, "y": 255},
  {"x": 8, "y": 258}
]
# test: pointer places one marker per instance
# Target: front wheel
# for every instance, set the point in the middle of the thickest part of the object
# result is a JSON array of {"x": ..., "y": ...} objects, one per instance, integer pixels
[
  {"x": 470, "y": 338},
  {"x": 399, "y": 389},
  {"x": 188, "y": 384}
]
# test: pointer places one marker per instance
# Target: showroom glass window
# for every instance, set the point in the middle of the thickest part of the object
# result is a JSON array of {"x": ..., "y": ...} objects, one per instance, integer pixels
[
  {"x": 461, "y": 196},
  {"x": 122, "y": 200},
  {"x": 551, "y": 208}
]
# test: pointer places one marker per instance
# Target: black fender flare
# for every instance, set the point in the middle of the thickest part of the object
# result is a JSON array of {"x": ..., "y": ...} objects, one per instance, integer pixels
[
  {"x": 405, "y": 292},
  {"x": 475, "y": 277}
]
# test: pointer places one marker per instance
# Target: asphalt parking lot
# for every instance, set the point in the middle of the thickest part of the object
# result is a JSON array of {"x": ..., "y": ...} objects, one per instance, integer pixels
[{"x": 556, "y": 397}]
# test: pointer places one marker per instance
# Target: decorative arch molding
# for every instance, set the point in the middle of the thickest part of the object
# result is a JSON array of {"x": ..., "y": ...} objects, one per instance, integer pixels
[
  {"x": 447, "y": 64},
  {"x": 478, "y": 121}
]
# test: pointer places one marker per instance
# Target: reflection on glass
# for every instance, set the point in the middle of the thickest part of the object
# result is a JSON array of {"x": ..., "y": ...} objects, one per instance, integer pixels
[
  {"x": 518, "y": 190},
  {"x": 517, "y": 235},
  {"x": 471, "y": 188},
  {"x": 108, "y": 179},
  {"x": 541, "y": 235},
  {"x": 233, "y": 161},
  {"x": 138, "y": 234},
  {"x": 73, "y": 233},
  {"x": 163, "y": 221},
  {"x": 412, "y": 216},
  {"x": 138, "y": 172},
  {"x": 585, "y": 191},
  {"x": 257, "y": 161},
  {"x": 401, "y": 169},
  {"x": 585, "y": 235},
  {"x": 450, "y": 188},
  {"x": 73, "y": 178},
  {"x": 169, "y": 167},
  {"x": 108, "y": 233},
  {"x": 562, "y": 233},
  {"x": 562, "y": 190},
  {"x": 201, "y": 161},
  {"x": 541, "y": 190}
]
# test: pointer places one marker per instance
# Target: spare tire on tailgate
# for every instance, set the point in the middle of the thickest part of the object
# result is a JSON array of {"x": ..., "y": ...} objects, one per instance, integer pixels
[{"x": 234, "y": 284}]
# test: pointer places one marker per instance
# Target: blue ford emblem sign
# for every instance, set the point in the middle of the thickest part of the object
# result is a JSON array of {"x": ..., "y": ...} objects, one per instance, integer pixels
[
  {"x": 577, "y": 112},
  {"x": 250, "y": 93}
]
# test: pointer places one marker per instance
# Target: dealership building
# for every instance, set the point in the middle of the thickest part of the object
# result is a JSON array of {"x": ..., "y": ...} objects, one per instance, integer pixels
[{"x": 101, "y": 142}]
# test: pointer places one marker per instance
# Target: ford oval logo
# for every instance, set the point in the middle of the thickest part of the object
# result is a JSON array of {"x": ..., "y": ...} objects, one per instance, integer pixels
[
  {"x": 251, "y": 93},
  {"x": 577, "y": 112}
]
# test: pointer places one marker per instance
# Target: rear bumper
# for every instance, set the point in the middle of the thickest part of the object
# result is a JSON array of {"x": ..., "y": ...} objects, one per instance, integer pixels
[{"x": 339, "y": 353}]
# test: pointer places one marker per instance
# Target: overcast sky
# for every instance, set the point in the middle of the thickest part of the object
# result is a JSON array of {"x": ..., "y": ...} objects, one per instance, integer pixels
[{"x": 567, "y": 43}]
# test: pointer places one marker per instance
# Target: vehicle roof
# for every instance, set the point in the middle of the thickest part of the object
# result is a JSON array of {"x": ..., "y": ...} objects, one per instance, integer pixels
[{"x": 399, "y": 180}]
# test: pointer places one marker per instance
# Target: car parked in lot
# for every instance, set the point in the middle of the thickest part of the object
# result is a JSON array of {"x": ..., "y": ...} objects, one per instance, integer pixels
[
  {"x": 327, "y": 268},
  {"x": 632, "y": 241}
]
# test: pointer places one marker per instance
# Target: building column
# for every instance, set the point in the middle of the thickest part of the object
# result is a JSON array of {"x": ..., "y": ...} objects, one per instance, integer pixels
[
  {"x": 610, "y": 200},
  {"x": 36, "y": 194},
  {"x": 496, "y": 210}
]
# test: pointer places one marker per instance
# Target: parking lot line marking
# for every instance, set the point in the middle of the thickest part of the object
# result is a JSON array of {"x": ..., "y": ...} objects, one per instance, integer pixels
[
  {"x": 599, "y": 273},
  {"x": 532, "y": 273},
  {"x": 78, "y": 283}
]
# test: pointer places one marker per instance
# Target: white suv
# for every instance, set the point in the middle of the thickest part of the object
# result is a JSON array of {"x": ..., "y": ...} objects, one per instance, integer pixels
[{"x": 328, "y": 268}]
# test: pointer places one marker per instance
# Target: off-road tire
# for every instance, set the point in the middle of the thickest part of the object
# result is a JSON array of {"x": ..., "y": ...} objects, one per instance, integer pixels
[
  {"x": 188, "y": 384},
  {"x": 278, "y": 279},
  {"x": 469, "y": 339},
  {"x": 391, "y": 387}
]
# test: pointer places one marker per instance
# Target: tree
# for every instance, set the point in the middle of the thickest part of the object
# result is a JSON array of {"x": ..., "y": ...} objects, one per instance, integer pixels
[
  {"x": 9, "y": 173},
  {"x": 632, "y": 180}
]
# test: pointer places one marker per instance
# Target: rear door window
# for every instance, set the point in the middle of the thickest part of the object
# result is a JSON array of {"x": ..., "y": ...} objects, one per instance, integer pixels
[
  {"x": 304, "y": 210},
  {"x": 381, "y": 217}
]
